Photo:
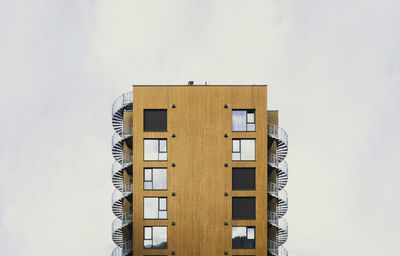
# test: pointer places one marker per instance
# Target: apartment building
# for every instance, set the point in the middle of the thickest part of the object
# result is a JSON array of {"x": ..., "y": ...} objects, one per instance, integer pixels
[{"x": 199, "y": 171}]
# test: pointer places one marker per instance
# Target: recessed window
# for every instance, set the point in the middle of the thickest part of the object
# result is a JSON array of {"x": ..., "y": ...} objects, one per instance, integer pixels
[
  {"x": 243, "y": 120},
  {"x": 155, "y": 208},
  {"x": 155, "y": 237},
  {"x": 243, "y": 149},
  {"x": 155, "y": 120},
  {"x": 155, "y": 179},
  {"x": 155, "y": 149},
  {"x": 243, "y": 208},
  {"x": 243, "y": 179},
  {"x": 243, "y": 237}
]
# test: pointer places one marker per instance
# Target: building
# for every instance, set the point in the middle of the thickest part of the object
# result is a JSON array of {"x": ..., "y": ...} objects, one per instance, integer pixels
[{"x": 199, "y": 171}]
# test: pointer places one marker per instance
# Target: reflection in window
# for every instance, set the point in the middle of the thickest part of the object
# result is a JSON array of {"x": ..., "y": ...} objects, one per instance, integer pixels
[
  {"x": 243, "y": 120},
  {"x": 155, "y": 208},
  {"x": 243, "y": 238},
  {"x": 155, "y": 237},
  {"x": 155, "y": 149},
  {"x": 155, "y": 179},
  {"x": 243, "y": 149}
]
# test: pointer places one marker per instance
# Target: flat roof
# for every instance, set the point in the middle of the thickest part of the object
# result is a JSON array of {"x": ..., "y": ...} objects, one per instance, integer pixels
[{"x": 138, "y": 85}]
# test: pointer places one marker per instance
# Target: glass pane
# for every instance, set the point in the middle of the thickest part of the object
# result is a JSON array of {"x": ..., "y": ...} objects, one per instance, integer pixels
[
  {"x": 162, "y": 157},
  {"x": 235, "y": 145},
  {"x": 238, "y": 232},
  {"x": 163, "y": 204},
  {"x": 163, "y": 215},
  {"x": 238, "y": 120},
  {"x": 147, "y": 233},
  {"x": 150, "y": 208},
  {"x": 163, "y": 145},
  {"x": 235, "y": 156},
  {"x": 160, "y": 178},
  {"x": 148, "y": 185},
  {"x": 160, "y": 237},
  {"x": 151, "y": 150},
  {"x": 250, "y": 233},
  {"x": 250, "y": 117},
  {"x": 147, "y": 174},
  {"x": 251, "y": 127},
  {"x": 248, "y": 150},
  {"x": 147, "y": 243}
]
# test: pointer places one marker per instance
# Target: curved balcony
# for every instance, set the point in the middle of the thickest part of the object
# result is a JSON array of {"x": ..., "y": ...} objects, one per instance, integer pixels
[
  {"x": 282, "y": 231},
  {"x": 280, "y": 136},
  {"x": 117, "y": 171},
  {"x": 273, "y": 218},
  {"x": 117, "y": 200},
  {"x": 117, "y": 229},
  {"x": 282, "y": 203},
  {"x": 272, "y": 189},
  {"x": 121, "y": 104},
  {"x": 117, "y": 145},
  {"x": 281, "y": 170},
  {"x": 276, "y": 250},
  {"x": 124, "y": 250}
]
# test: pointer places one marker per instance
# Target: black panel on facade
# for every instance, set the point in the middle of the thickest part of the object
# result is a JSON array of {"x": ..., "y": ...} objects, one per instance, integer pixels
[
  {"x": 243, "y": 179},
  {"x": 155, "y": 120},
  {"x": 243, "y": 208}
]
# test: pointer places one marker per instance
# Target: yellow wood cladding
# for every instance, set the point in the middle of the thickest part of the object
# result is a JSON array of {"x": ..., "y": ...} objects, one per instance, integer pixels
[{"x": 200, "y": 179}]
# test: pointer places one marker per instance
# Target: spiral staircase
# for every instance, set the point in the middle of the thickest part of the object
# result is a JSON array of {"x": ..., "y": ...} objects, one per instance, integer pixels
[
  {"x": 122, "y": 225},
  {"x": 276, "y": 189}
]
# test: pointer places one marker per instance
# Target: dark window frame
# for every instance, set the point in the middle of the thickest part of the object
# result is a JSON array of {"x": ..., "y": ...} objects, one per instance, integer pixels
[
  {"x": 152, "y": 178},
  {"x": 158, "y": 207},
  {"x": 240, "y": 149},
  {"x": 155, "y": 109},
  {"x": 250, "y": 110},
  {"x": 253, "y": 211},
  {"x": 158, "y": 149},
  {"x": 248, "y": 169},
  {"x": 152, "y": 237},
  {"x": 247, "y": 233}
]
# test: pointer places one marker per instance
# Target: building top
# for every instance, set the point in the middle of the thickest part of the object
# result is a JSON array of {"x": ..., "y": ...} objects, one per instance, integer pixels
[{"x": 192, "y": 84}]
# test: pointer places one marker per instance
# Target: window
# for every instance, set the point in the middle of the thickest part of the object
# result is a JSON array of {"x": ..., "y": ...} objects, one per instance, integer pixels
[
  {"x": 155, "y": 208},
  {"x": 155, "y": 120},
  {"x": 243, "y": 120},
  {"x": 243, "y": 149},
  {"x": 155, "y": 237},
  {"x": 243, "y": 179},
  {"x": 243, "y": 237},
  {"x": 155, "y": 179},
  {"x": 155, "y": 149},
  {"x": 243, "y": 208}
]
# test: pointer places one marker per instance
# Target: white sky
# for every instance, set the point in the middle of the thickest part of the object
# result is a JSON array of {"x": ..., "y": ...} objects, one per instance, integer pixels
[{"x": 333, "y": 72}]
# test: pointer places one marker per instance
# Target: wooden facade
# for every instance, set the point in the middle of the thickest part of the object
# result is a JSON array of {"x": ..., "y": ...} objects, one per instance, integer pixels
[{"x": 200, "y": 180}]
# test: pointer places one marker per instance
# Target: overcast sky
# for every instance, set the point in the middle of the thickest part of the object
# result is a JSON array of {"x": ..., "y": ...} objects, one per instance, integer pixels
[{"x": 333, "y": 70}]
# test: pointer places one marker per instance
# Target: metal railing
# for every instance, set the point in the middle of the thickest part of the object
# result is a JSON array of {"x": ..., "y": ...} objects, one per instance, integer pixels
[
  {"x": 283, "y": 196},
  {"x": 127, "y": 159},
  {"x": 272, "y": 247},
  {"x": 127, "y": 131},
  {"x": 119, "y": 224},
  {"x": 122, "y": 101},
  {"x": 272, "y": 189},
  {"x": 283, "y": 225},
  {"x": 115, "y": 139},
  {"x": 124, "y": 250},
  {"x": 278, "y": 133},
  {"x": 273, "y": 218},
  {"x": 118, "y": 195}
]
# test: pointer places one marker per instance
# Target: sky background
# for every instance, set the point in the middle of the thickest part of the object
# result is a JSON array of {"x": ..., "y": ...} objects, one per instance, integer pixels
[{"x": 333, "y": 70}]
